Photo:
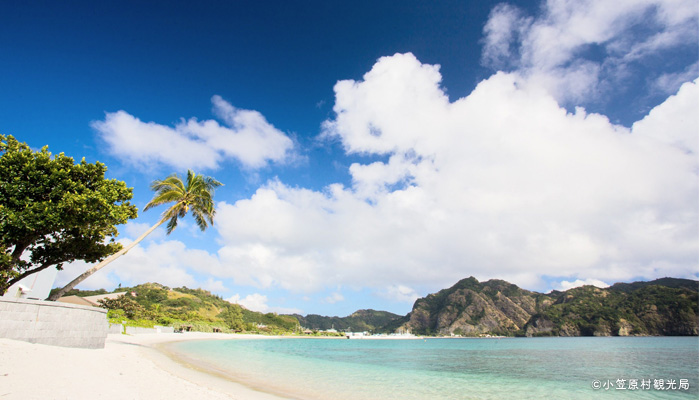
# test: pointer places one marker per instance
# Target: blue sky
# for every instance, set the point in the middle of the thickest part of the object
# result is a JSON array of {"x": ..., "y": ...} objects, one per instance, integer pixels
[{"x": 374, "y": 152}]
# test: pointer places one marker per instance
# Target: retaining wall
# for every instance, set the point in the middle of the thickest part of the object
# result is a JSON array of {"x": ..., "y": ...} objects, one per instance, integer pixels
[
  {"x": 115, "y": 328},
  {"x": 53, "y": 323}
]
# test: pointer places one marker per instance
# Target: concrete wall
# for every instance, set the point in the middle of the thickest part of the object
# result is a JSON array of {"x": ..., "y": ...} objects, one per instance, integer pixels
[
  {"x": 137, "y": 330},
  {"x": 115, "y": 328},
  {"x": 48, "y": 322}
]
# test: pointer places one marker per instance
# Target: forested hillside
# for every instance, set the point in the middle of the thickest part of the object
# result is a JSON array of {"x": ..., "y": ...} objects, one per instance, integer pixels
[
  {"x": 151, "y": 303},
  {"x": 471, "y": 308},
  {"x": 359, "y": 321}
]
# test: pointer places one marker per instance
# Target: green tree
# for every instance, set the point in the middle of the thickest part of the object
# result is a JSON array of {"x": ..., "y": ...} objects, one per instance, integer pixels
[
  {"x": 233, "y": 317},
  {"x": 196, "y": 194},
  {"x": 53, "y": 211},
  {"x": 132, "y": 309}
]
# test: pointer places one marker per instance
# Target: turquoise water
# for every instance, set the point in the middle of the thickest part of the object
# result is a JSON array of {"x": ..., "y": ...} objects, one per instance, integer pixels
[{"x": 508, "y": 368}]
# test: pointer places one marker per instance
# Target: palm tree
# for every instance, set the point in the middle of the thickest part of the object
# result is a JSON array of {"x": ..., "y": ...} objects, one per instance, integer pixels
[{"x": 196, "y": 195}]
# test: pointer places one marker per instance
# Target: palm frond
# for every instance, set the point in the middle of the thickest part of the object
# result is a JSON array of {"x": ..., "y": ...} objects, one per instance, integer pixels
[
  {"x": 163, "y": 198},
  {"x": 195, "y": 195},
  {"x": 200, "y": 219},
  {"x": 172, "y": 224}
]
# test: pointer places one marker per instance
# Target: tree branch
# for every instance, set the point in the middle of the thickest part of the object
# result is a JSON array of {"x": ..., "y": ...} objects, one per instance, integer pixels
[{"x": 19, "y": 249}]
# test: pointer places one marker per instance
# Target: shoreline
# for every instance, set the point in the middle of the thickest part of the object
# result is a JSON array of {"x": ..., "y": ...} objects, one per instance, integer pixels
[
  {"x": 130, "y": 366},
  {"x": 149, "y": 366}
]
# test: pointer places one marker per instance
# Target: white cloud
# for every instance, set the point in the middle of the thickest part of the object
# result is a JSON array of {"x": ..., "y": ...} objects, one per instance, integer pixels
[
  {"x": 503, "y": 183},
  {"x": 247, "y": 137},
  {"x": 214, "y": 286},
  {"x": 258, "y": 302},
  {"x": 169, "y": 263},
  {"x": 551, "y": 48},
  {"x": 134, "y": 229},
  {"x": 668, "y": 83},
  {"x": 501, "y": 35},
  {"x": 566, "y": 285},
  {"x": 253, "y": 302},
  {"x": 400, "y": 293},
  {"x": 334, "y": 298},
  {"x": 70, "y": 271},
  {"x": 678, "y": 112}
]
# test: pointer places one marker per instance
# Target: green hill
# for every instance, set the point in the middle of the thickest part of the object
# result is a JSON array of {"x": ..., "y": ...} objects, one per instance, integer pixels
[
  {"x": 359, "y": 321},
  {"x": 197, "y": 309},
  {"x": 471, "y": 308},
  {"x": 666, "y": 282}
]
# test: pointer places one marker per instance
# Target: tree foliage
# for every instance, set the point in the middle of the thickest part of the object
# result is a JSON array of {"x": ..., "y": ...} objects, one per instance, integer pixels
[
  {"x": 233, "y": 317},
  {"x": 131, "y": 309},
  {"x": 54, "y": 211}
]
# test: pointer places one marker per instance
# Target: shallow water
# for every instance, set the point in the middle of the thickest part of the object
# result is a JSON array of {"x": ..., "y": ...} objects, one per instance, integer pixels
[{"x": 533, "y": 368}]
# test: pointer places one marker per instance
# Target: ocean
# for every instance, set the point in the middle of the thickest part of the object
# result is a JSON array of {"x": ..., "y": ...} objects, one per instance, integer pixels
[{"x": 430, "y": 369}]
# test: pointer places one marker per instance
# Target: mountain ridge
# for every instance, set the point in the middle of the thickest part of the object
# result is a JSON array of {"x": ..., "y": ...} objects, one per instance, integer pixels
[
  {"x": 366, "y": 320},
  {"x": 666, "y": 306}
]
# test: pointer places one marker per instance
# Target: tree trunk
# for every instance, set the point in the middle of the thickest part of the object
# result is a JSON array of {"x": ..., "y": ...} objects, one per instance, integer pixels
[{"x": 102, "y": 264}]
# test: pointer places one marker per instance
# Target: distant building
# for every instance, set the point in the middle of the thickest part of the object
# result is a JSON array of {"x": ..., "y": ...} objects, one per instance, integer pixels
[{"x": 356, "y": 335}]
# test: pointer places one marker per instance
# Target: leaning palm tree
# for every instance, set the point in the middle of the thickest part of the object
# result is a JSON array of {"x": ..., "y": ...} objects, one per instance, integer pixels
[{"x": 195, "y": 195}]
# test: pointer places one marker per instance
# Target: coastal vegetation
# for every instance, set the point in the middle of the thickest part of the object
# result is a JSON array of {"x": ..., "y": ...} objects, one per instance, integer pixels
[
  {"x": 153, "y": 304},
  {"x": 55, "y": 211}
]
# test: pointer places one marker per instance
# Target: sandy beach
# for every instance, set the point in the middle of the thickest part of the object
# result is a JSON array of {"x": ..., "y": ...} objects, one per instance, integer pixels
[{"x": 129, "y": 367}]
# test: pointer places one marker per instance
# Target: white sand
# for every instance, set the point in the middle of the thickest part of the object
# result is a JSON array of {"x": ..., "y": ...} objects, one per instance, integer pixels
[{"x": 129, "y": 367}]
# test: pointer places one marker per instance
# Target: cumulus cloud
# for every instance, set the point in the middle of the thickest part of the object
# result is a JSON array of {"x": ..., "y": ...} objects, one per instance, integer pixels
[
  {"x": 258, "y": 302},
  {"x": 571, "y": 47},
  {"x": 246, "y": 136},
  {"x": 668, "y": 83},
  {"x": 502, "y": 33},
  {"x": 400, "y": 293},
  {"x": 675, "y": 113},
  {"x": 502, "y": 183},
  {"x": 99, "y": 280},
  {"x": 253, "y": 302},
  {"x": 134, "y": 229},
  {"x": 566, "y": 285},
  {"x": 214, "y": 286},
  {"x": 169, "y": 263},
  {"x": 334, "y": 298}
]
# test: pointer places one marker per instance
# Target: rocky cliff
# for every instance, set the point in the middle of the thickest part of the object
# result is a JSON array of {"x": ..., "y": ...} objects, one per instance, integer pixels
[{"x": 472, "y": 308}]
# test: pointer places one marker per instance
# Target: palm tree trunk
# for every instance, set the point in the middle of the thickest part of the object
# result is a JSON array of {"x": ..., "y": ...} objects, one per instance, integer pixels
[{"x": 102, "y": 264}]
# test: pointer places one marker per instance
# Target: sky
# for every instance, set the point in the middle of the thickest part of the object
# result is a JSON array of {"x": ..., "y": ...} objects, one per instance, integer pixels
[{"x": 374, "y": 152}]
